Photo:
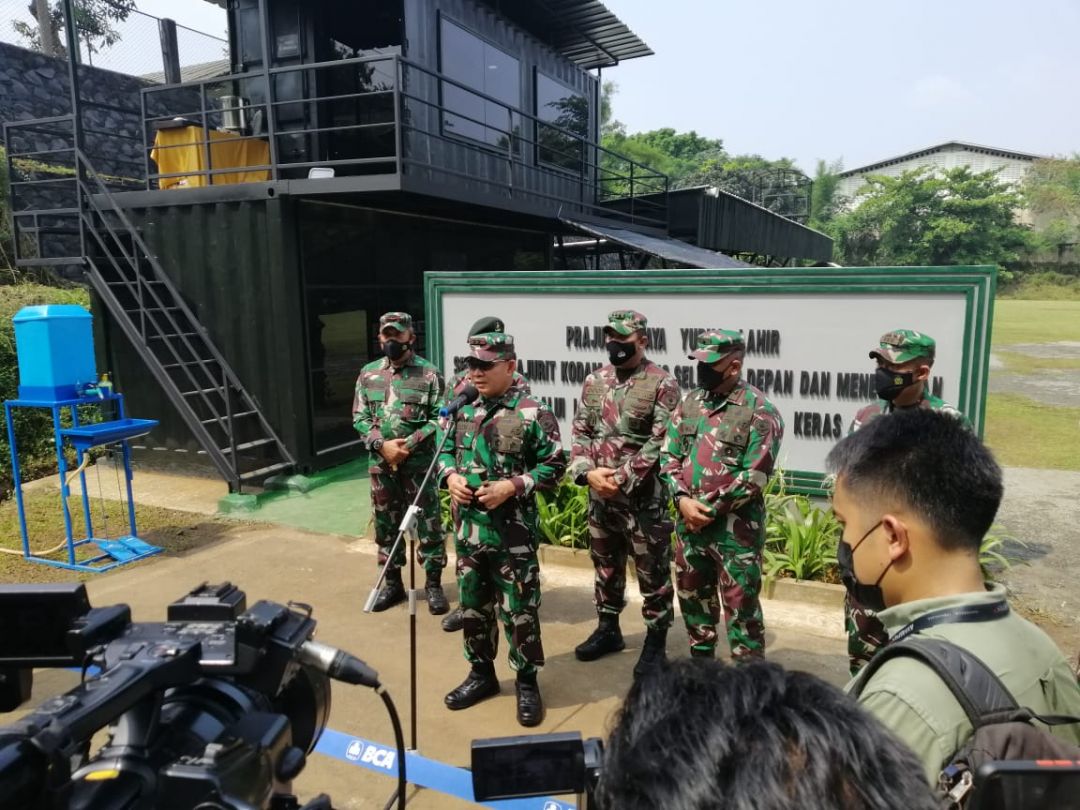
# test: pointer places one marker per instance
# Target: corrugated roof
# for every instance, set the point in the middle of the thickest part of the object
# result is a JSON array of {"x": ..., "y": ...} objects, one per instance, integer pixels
[
  {"x": 930, "y": 150},
  {"x": 584, "y": 31},
  {"x": 672, "y": 250},
  {"x": 194, "y": 73}
]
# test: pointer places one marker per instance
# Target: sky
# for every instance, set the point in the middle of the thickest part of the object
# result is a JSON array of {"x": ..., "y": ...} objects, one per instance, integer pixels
[{"x": 851, "y": 80}]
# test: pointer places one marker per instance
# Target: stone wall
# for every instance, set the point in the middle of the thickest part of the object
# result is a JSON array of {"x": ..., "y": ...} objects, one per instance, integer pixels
[{"x": 33, "y": 85}]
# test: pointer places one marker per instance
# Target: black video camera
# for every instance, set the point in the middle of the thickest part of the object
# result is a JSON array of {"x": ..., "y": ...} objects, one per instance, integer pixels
[
  {"x": 215, "y": 708},
  {"x": 533, "y": 765}
]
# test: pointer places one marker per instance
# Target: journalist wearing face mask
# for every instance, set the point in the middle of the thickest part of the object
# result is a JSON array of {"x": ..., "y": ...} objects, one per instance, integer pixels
[
  {"x": 909, "y": 551},
  {"x": 905, "y": 359}
]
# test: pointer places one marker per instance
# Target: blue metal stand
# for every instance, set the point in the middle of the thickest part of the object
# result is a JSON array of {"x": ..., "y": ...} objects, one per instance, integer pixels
[{"x": 115, "y": 551}]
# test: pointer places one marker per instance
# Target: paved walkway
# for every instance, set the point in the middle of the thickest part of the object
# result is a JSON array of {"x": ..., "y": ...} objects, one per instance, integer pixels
[{"x": 335, "y": 574}]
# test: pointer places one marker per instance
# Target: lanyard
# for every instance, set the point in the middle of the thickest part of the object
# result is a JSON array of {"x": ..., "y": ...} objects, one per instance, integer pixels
[{"x": 958, "y": 615}]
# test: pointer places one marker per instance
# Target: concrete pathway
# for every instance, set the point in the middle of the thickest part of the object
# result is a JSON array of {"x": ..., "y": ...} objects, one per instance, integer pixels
[{"x": 335, "y": 574}]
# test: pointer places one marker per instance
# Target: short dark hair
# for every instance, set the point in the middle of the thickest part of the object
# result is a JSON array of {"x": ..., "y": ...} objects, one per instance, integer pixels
[
  {"x": 933, "y": 464},
  {"x": 698, "y": 735}
]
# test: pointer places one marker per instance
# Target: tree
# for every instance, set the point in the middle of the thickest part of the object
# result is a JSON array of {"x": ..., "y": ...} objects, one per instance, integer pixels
[
  {"x": 922, "y": 218},
  {"x": 94, "y": 20},
  {"x": 825, "y": 203},
  {"x": 1052, "y": 190}
]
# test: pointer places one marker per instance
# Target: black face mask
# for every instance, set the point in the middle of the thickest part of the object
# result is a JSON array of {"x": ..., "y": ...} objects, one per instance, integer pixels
[
  {"x": 868, "y": 596},
  {"x": 890, "y": 384},
  {"x": 618, "y": 353},
  {"x": 395, "y": 350},
  {"x": 708, "y": 377}
]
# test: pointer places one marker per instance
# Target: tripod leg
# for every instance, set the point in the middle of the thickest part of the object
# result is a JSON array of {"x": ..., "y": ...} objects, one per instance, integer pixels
[{"x": 413, "y": 548}]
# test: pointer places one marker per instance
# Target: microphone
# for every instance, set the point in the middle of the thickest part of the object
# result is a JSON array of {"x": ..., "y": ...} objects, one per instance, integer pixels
[
  {"x": 467, "y": 396},
  {"x": 337, "y": 664}
]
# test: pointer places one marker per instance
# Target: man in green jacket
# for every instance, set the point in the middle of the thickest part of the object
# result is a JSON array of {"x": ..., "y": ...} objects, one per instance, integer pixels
[{"x": 915, "y": 494}]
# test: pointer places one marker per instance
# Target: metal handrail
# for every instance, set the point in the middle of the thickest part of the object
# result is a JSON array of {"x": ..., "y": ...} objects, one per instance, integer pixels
[{"x": 628, "y": 179}]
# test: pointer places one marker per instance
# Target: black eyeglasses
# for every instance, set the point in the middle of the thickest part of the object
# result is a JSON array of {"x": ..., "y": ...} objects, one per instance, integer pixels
[{"x": 481, "y": 365}]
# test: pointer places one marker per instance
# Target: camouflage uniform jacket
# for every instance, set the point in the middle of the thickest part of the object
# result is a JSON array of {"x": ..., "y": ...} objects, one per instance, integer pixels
[
  {"x": 722, "y": 450},
  {"x": 622, "y": 424},
  {"x": 518, "y": 381},
  {"x": 399, "y": 403},
  {"x": 882, "y": 407},
  {"x": 513, "y": 437}
]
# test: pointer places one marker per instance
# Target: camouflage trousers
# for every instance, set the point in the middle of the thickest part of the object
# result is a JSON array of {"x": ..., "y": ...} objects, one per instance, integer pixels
[
  {"x": 499, "y": 579},
  {"x": 391, "y": 494},
  {"x": 865, "y": 634},
  {"x": 719, "y": 568},
  {"x": 617, "y": 530}
]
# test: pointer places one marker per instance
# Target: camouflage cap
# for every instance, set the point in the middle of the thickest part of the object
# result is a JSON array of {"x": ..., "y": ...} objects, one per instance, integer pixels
[
  {"x": 395, "y": 320},
  {"x": 489, "y": 323},
  {"x": 714, "y": 346},
  {"x": 492, "y": 346},
  {"x": 625, "y": 322},
  {"x": 902, "y": 345}
]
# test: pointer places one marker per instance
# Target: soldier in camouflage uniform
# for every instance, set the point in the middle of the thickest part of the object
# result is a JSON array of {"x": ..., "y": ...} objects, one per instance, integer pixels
[
  {"x": 720, "y": 450},
  {"x": 455, "y": 619},
  {"x": 618, "y": 429},
  {"x": 503, "y": 449},
  {"x": 395, "y": 409},
  {"x": 904, "y": 360}
]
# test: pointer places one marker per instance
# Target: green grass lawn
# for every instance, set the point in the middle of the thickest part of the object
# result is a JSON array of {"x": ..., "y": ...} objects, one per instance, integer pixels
[
  {"x": 1035, "y": 321},
  {"x": 1021, "y": 431},
  {"x": 176, "y": 532},
  {"x": 1025, "y": 433}
]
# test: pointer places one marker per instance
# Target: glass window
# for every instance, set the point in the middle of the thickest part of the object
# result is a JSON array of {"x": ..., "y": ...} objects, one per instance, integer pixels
[
  {"x": 480, "y": 65},
  {"x": 568, "y": 110}
]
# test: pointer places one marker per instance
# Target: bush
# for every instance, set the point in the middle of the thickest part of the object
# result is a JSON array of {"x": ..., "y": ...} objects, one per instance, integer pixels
[
  {"x": 800, "y": 537},
  {"x": 564, "y": 515},
  {"x": 33, "y": 427},
  {"x": 1043, "y": 285}
]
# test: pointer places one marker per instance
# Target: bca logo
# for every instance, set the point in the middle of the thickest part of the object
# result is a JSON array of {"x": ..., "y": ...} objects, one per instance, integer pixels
[{"x": 371, "y": 754}]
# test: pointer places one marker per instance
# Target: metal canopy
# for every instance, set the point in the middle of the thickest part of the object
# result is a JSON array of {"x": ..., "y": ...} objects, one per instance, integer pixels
[
  {"x": 584, "y": 31},
  {"x": 672, "y": 250}
]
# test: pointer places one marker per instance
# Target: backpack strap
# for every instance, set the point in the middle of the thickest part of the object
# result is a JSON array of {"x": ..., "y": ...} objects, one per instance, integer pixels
[{"x": 980, "y": 692}]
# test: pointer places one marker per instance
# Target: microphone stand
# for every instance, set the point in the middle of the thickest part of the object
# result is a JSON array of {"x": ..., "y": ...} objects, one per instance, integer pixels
[{"x": 408, "y": 529}]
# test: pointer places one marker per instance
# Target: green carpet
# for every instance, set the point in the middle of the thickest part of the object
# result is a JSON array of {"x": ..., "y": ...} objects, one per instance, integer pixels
[{"x": 340, "y": 504}]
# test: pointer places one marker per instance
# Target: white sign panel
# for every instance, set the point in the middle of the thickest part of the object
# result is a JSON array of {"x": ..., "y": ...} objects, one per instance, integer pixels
[{"x": 807, "y": 352}]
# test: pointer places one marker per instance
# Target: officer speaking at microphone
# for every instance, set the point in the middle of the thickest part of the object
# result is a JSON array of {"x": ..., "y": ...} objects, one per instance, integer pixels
[
  {"x": 502, "y": 449},
  {"x": 453, "y": 621}
]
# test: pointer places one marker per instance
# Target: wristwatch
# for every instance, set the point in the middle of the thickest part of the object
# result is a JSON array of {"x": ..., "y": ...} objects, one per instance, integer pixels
[
  {"x": 376, "y": 445},
  {"x": 675, "y": 498}
]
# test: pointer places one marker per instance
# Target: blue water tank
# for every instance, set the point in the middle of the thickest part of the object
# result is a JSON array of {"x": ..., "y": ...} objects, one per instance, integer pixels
[{"x": 55, "y": 347}]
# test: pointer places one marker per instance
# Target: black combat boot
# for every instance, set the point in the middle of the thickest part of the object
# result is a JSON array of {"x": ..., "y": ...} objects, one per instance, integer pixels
[
  {"x": 695, "y": 653},
  {"x": 392, "y": 593},
  {"x": 480, "y": 684},
  {"x": 606, "y": 638},
  {"x": 653, "y": 652},
  {"x": 436, "y": 599},
  {"x": 530, "y": 706},
  {"x": 454, "y": 620}
]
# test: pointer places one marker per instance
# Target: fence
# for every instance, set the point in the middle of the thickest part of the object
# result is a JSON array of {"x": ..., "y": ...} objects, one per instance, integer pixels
[{"x": 119, "y": 39}]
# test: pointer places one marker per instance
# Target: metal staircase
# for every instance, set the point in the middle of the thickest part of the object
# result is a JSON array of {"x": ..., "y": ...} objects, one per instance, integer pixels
[{"x": 143, "y": 301}]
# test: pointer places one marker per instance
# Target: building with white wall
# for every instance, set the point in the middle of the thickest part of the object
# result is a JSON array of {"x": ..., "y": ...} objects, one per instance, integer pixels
[{"x": 950, "y": 155}]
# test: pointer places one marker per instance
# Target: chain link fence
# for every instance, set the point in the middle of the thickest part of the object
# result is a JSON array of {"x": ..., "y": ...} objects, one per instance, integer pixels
[{"x": 114, "y": 36}]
